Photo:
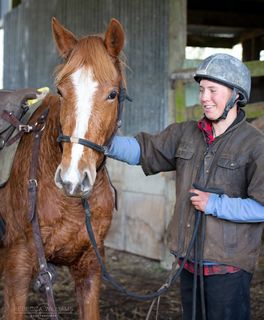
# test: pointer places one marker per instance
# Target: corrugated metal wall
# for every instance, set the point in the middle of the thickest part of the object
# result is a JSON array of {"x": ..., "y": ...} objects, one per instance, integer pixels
[{"x": 30, "y": 55}]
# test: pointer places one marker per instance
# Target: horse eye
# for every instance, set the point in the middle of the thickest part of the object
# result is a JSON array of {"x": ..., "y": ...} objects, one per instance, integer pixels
[
  {"x": 59, "y": 92},
  {"x": 112, "y": 95}
]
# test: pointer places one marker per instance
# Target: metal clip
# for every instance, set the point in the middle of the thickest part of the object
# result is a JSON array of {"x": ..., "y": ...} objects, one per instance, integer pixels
[
  {"x": 2, "y": 143},
  {"x": 31, "y": 181},
  {"x": 25, "y": 128},
  {"x": 119, "y": 123}
]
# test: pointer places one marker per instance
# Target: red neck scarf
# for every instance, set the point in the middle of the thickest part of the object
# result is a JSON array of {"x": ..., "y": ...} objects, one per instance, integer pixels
[{"x": 206, "y": 127}]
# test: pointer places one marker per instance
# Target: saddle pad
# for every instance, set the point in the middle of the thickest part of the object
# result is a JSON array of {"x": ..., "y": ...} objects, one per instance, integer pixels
[{"x": 7, "y": 154}]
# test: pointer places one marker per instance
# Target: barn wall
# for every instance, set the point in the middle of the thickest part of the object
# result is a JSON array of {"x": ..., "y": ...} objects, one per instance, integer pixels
[
  {"x": 155, "y": 45},
  {"x": 30, "y": 55},
  {"x": 146, "y": 203}
]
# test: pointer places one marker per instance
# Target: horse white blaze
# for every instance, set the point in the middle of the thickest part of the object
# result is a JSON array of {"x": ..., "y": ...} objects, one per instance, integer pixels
[{"x": 85, "y": 87}]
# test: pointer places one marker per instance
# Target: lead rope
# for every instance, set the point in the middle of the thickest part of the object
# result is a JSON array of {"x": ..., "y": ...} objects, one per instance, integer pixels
[
  {"x": 107, "y": 277},
  {"x": 157, "y": 311},
  {"x": 151, "y": 307},
  {"x": 44, "y": 275}
]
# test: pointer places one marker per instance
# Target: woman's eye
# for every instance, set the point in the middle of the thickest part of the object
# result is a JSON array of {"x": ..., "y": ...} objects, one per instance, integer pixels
[{"x": 112, "y": 95}]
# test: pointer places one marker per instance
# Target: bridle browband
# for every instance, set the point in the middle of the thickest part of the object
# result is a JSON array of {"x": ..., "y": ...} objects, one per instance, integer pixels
[{"x": 89, "y": 144}]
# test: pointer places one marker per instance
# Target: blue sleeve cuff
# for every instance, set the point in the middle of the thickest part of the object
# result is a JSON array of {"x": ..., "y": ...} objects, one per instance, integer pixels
[
  {"x": 235, "y": 209},
  {"x": 125, "y": 149},
  {"x": 212, "y": 204}
]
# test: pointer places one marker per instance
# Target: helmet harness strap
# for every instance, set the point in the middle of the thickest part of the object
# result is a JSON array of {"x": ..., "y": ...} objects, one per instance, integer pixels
[{"x": 230, "y": 104}]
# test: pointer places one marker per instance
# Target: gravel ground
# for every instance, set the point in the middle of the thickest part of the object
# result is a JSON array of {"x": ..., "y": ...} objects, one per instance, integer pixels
[{"x": 139, "y": 275}]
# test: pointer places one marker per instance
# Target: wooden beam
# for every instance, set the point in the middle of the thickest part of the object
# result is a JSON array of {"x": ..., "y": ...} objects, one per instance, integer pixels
[
  {"x": 251, "y": 34},
  {"x": 226, "y": 18},
  {"x": 251, "y": 49},
  {"x": 238, "y": 6},
  {"x": 256, "y": 68},
  {"x": 183, "y": 74},
  {"x": 214, "y": 42},
  {"x": 254, "y": 110}
]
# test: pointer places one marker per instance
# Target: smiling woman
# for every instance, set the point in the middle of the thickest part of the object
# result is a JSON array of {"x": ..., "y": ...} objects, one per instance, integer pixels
[{"x": 224, "y": 152}]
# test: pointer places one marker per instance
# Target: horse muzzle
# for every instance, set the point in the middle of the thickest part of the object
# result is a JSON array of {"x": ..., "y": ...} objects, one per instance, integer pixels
[{"x": 74, "y": 185}]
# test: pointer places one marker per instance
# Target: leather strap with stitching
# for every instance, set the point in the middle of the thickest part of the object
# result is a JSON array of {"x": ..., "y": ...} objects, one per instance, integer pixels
[{"x": 44, "y": 276}]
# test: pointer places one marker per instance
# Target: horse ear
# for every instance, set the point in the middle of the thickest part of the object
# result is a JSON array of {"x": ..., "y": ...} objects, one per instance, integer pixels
[
  {"x": 65, "y": 40},
  {"x": 114, "y": 38}
]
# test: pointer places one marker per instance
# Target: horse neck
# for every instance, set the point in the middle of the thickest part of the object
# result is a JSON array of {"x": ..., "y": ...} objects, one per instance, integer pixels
[{"x": 50, "y": 152}]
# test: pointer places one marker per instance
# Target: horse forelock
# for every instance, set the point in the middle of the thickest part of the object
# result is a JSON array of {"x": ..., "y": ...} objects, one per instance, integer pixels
[{"x": 90, "y": 52}]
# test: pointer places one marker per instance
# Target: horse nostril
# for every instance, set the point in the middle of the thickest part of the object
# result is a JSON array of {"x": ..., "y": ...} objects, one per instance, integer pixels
[
  {"x": 86, "y": 185},
  {"x": 68, "y": 187},
  {"x": 62, "y": 184},
  {"x": 72, "y": 185},
  {"x": 58, "y": 179}
]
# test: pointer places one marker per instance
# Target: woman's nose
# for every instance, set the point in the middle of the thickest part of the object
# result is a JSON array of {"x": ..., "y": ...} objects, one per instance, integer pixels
[{"x": 204, "y": 96}]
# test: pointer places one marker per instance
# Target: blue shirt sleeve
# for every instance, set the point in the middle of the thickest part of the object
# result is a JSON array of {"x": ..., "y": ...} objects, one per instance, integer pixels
[
  {"x": 235, "y": 209},
  {"x": 125, "y": 149}
]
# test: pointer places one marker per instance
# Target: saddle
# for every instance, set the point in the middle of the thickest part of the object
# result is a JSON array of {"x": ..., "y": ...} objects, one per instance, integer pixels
[{"x": 16, "y": 108}]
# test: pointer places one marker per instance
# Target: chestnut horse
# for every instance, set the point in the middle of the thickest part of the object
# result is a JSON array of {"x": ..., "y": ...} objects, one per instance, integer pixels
[{"x": 86, "y": 107}]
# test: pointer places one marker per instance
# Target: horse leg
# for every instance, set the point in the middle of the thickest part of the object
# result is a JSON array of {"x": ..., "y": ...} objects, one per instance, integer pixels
[
  {"x": 87, "y": 276},
  {"x": 17, "y": 273}
]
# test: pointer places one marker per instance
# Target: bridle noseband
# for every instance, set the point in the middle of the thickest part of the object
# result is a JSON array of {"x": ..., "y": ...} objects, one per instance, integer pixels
[
  {"x": 89, "y": 144},
  {"x": 84, "y": 142}
]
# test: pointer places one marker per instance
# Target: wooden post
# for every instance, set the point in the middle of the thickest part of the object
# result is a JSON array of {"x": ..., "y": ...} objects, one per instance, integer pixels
[
  {"x": 251, "y": 49},
  {"x": 176, "y": 57},
  {"x": 180, "y": 100},
  {"x": 177, "y": 44}
]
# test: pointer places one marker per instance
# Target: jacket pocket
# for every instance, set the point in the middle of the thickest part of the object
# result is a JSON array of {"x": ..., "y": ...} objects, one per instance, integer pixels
[
  {"x": 231, "y": 173},
  {"x": 228, "y": 164},
  {"x": 184, "y": 163}
]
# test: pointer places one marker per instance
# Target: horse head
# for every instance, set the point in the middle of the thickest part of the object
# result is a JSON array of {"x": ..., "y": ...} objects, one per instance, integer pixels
[{"x": 89, "y": 83}]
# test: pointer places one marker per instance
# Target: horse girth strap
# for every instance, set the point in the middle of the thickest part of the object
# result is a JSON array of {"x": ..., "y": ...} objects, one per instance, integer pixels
[
  {"x": 87, "y": 143},
  {"x": 32, "y": 193}
]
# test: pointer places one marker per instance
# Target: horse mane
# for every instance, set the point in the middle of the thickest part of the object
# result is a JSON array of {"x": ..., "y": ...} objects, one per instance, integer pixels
[{"x": 90, "y": 50}]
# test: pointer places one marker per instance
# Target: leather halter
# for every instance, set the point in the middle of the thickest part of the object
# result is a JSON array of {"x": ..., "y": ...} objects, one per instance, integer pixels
[{"x": 89, "y": 144}]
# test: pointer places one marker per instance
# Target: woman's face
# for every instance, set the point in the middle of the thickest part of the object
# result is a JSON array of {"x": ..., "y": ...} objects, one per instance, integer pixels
[{"x": 213, "y": 98}]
